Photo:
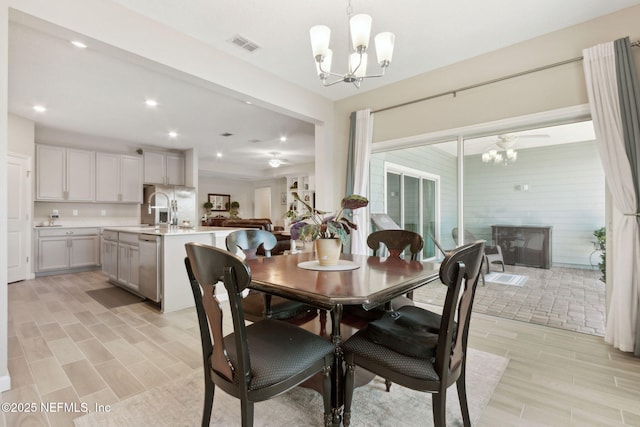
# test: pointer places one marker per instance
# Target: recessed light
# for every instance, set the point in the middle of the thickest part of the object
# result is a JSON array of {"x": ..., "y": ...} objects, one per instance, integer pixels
[
  {"x": 151, "y": 103},
  {"x": 283, "y": 139},
  {"x": 78, "y": 44},
  {"x": 173, "y": 134},
  {"x": 218, "y": 154},
  {"x": 39, "y": 108},
  {"x": 248, "y": 102}
]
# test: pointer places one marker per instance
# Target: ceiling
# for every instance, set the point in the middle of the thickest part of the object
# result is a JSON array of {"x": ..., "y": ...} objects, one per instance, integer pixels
[{"x": 100, "y": 91}]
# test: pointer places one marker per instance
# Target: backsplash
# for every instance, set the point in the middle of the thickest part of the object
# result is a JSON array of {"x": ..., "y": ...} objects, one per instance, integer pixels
[{"x": 86, "y": 214}]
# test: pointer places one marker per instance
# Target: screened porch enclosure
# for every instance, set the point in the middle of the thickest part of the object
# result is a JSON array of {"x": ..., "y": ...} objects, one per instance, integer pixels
[{"x": 555, "y": 180}]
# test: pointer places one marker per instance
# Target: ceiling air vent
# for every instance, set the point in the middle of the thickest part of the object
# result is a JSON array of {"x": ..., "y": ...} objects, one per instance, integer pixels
[
  {"x": 255, "y": 141},
  {"x": 226, "y": 134},
  {"x": 244, "y": 43}
]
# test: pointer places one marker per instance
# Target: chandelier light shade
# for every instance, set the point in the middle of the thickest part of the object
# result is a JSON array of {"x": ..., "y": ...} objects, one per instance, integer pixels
[
  {"x": 360, "y": 26},
  {"x": 384, "y": 48},
  {"x": 360, "y": 29},
  {"x": 320, "y": 36}
]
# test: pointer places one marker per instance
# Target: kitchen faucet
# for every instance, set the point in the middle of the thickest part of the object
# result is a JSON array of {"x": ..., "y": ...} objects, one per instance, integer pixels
[{"x": 169, "y": 205}]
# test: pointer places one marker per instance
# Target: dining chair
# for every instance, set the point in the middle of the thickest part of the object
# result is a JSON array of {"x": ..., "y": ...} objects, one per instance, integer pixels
[
  {"x": 258, "y": 305},
  {"x": 396, "y": 242},
  {"x": 255, "y": 362},
  {"x": 407, "y": 348}
]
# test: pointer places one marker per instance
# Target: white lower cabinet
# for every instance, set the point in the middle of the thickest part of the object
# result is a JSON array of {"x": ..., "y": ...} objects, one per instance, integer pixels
[
  {"x": 110, "y": 254},
  {"x": 128, "y": 263},
  {"x": 67, "y": 249},
  {"x": 121, "y": 258}
]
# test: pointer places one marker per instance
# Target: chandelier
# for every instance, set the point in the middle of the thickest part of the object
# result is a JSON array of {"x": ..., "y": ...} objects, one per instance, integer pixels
[
  {"x": 360, "y": 29},
  {"x": 506, "y": 154}
]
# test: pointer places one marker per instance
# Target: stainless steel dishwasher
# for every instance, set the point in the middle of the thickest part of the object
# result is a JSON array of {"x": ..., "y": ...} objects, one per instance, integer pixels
[{"x": 150, "y": 266}]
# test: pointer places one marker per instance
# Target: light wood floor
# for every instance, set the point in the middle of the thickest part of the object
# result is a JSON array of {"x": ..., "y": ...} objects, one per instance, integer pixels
[{"x": 64, "y": 347}]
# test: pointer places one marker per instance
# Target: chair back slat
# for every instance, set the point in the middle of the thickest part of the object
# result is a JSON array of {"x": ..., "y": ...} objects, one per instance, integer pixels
[
  {"x": 248, "y": 241},
  {"x": 206, "y": 266},
  {"x": 396, "y": 242},
  {"x": 459, "y": 271}
]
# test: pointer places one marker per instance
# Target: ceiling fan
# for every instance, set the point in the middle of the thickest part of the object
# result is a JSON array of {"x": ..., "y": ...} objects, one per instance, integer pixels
[
  {"x": 506, "y": 153},
  {"x": 276, "y": 160}
]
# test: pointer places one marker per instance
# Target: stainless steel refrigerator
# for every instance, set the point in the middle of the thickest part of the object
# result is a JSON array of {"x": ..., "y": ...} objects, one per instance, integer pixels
[{"x": 169, "y": 202}]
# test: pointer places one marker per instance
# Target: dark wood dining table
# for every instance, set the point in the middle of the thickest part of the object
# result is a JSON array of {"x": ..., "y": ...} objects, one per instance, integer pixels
[{"x": 373, "y": 282}]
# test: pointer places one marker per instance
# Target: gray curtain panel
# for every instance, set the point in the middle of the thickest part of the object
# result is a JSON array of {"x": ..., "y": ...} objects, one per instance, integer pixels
[
  {"x": 350, "y": 167},
  {"x": 629, "y": 94}
]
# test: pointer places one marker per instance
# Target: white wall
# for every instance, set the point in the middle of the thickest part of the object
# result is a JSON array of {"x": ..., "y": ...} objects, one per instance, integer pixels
[
  {"x": 21, "y": 134},
  {"x": 243, "y": 192},
  {"x": 240, "y": 191},
  {"x": 4, "y": 326}
]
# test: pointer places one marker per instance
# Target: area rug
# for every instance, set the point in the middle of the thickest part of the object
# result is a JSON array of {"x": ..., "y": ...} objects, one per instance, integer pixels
[
  {"x": 506, "y": 279},
  {"x": 113, "y": 297},
  {"x": 180, "y": 403}
]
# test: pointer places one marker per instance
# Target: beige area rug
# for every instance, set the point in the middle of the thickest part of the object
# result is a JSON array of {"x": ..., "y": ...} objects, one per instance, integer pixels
[{"x": 180, "y": 403}]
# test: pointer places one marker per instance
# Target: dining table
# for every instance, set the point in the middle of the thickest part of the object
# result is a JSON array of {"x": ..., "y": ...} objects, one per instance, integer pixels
[{"x": 361, "y": 281}]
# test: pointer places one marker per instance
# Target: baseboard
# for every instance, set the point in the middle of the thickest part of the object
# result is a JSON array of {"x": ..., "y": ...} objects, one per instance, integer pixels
[{"x": 5, "y": 383}]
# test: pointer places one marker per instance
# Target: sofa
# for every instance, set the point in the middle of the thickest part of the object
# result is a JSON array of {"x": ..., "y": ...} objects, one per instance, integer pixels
[{"x": 284, "y": 241}]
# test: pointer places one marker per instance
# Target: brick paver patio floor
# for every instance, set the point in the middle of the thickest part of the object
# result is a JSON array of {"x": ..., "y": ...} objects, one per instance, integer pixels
[{"x": 566, "y": 298}]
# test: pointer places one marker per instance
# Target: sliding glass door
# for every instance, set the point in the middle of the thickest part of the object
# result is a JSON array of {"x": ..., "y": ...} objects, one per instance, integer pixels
[{"x": 412, "y": 202}]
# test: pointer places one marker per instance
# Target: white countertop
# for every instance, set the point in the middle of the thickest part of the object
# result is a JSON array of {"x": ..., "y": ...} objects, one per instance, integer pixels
[{"x": 169, "y": 231}]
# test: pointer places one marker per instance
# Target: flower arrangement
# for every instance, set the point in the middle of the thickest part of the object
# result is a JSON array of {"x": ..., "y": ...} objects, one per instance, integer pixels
[{"x": 315, "y": 224}]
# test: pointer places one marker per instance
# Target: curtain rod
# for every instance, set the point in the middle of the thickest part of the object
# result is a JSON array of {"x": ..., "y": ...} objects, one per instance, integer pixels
[{"x": 454, "y": 92}]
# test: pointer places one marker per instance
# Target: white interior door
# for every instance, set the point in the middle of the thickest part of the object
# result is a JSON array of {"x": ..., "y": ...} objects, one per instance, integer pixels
[
  {"x": 18, "y": 216},
  {"x": 262, "y": 205}
]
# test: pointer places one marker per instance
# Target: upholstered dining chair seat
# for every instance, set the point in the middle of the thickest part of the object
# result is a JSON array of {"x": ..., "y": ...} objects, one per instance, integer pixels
[
  {"x": 385, "y": 358},
  {"x": 280, "y": 308},
  {"x": 278, "y": 351}
]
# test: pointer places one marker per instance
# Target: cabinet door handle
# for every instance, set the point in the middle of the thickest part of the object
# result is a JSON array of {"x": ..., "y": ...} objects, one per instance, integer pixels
[{"x": 69, "y": 232}]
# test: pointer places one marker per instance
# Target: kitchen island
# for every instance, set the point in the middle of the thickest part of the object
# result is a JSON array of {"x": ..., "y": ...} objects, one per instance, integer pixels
[{"x": 149, "y": 261}]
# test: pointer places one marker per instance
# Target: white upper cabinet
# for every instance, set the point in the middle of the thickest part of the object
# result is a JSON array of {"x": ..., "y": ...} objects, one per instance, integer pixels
[
  {"x": 131, "y": 175},
  {"x": 119, "y": 178},
  {"x": 65, "y": 174},
  {"x": 163, "y": 168},
  {"x": 175, "y": 169}
]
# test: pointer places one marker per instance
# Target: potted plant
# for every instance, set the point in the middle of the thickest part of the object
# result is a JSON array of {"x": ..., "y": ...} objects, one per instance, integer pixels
[
  {"x": 233, "y": 212},
  {"x": 328, "y": 230},
  {"x": 601, "y": 245},
  {"x": 208, "y": 206}
]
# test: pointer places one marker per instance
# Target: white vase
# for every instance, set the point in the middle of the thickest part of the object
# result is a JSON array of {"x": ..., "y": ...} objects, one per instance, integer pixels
[{"x": 328, "y": 251}]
